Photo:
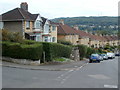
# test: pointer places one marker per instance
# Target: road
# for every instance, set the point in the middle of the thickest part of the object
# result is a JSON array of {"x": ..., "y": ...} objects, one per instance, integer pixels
[{"x": 92, "y": 75}]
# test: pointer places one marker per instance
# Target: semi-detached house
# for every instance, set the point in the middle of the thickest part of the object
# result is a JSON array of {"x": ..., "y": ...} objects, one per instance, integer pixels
[{"x": 30, "y": 26}]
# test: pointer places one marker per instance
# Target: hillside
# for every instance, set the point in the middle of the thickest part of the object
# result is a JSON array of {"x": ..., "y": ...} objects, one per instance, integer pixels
[{"x": 103, "y": 24}]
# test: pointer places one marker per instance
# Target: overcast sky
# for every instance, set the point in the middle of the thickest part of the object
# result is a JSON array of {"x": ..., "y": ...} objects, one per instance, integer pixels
[{"x": 65, "y": 8}]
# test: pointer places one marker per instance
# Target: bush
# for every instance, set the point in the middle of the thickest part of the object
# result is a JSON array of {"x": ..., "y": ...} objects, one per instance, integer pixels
[
  {"x": 20, "y": 51},
  {"x": 64, "y": 42},
  {"x": 29, "y": 42},
  {"x": 55, "y": 50},
  {"x": 82, "y": 51},
  {"x": 90, "y": 51},
  {"x": 11, "y": 36}
]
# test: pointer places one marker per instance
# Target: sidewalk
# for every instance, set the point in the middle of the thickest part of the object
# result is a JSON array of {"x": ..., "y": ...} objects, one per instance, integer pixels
[{"x": 47, "y": 67}]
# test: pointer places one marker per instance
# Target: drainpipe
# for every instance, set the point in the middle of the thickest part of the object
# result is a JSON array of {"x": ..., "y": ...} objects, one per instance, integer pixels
[{"x": 23, "y": 29}]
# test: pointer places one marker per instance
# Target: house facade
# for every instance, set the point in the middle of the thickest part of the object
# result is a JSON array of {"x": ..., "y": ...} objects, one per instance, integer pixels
[
  {"x": 30, "y": 26},
  {"x": 76, "y": 36}
]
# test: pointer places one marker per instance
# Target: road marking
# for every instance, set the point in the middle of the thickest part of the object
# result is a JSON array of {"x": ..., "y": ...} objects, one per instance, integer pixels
[
  {"x": 75, "y": 66},
  {"x": 80, "y": 67},
  {"x": 99, "y": 76},
  {"x": 58, "y": 77},
  {"x": 71, "y": 70},
  {"x": 66, "y": 75},
  {"x": 110, "y": 86}
]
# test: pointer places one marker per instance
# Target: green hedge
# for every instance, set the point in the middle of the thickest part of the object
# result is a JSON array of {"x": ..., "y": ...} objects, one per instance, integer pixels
[
  {"x": 22, "y": 51},
  {"x": 90, "y": 51},
  {"x": 82, "y": 51},
  {"x": 64, "y": 42},
  {"x": 29, "y": 42},
  {"x": 54, "y": 50}
]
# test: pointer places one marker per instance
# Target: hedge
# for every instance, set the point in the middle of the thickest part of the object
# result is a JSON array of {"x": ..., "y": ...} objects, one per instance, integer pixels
[
  {"x": 64, "y": 42},
  {"x": 82, "y": 51},
  {"x": 55, "y": 50},
  {"x": 22, "y": 51},
  {"x": 90, "y": 51}
]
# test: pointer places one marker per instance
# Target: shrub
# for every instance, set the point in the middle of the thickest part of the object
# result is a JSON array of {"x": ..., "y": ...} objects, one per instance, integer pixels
[
  {"x": 82, "y": 51},
  {"x": 29, "y": 42},
  {"x": 55, "y": 50},
  {"x": 11, "y": 36},
  {"x": 90, "y": 51},
  {"x": 64, "y": 42},
  {"x": 17, "y": 50}
]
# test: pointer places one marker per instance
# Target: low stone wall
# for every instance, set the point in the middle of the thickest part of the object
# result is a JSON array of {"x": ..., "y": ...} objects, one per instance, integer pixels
[
  {"x": 75, "y": 54},
  {"x": 21, "y": 61}
]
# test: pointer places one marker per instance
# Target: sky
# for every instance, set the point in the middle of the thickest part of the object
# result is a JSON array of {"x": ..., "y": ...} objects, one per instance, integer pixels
[{"x": 65, "y": 8}]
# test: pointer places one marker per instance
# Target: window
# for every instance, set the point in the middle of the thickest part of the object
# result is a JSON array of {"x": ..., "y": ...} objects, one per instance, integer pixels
[
  {"x": 37, "y": 38},
  {"x": 53, "y": 28},
  {"x": 37, "y": 24},
  {"x": 53, "y": 39},
  {"x": 46, "y": 28},
  {"x": 46, "y": 39},
  {"x": 28, "y": 24}
]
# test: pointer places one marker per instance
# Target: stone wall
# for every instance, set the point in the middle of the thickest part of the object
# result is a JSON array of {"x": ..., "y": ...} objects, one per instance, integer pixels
[
  {"x": 21, "y": 61},
  {"x": 75, "y": 54}
]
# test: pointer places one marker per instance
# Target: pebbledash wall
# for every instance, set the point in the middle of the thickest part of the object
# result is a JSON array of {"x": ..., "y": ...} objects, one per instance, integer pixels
[{"x": 17, "y": 26}]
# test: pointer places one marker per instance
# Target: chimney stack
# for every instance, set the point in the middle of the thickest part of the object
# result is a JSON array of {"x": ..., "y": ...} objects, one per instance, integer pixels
[
  {"x": 61, "y": 21},
  {"x": 24, "y": 6},
  {"x": 76, "y": 27}
]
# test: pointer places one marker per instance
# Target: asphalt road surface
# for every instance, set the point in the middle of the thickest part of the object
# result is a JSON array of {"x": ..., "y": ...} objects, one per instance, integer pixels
[{"x": 92, "y": 75}]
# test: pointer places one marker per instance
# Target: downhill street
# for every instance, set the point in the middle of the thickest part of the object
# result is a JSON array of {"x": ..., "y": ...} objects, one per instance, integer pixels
[{"x": 91, "y": 75}]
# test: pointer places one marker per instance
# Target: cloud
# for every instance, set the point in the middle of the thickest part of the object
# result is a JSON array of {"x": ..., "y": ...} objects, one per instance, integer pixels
[{"x": 65, "y": 8}]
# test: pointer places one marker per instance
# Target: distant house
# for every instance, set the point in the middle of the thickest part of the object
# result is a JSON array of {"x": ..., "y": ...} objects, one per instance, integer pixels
[
  {"x": 83, "y": 36},
  {"x": 30, "y": 26},
  {"x": 112, "y": 40},
  {"x": 67, "y": 33}
]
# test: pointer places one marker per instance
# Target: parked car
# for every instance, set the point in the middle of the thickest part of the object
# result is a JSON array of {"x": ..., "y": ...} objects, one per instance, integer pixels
[
  {"x": 94, "y": 58},
  {"x": 105, "y": 57},
  {"x": 110, "y": 55},
  {"x": 100, "y": 56},
  {"x": 117, "y": 53}
]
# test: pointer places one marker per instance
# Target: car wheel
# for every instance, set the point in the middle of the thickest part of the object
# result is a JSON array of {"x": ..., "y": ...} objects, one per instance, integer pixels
[
  {"x": 90, "y": 61},
  {"x": 98, "y": 61}
]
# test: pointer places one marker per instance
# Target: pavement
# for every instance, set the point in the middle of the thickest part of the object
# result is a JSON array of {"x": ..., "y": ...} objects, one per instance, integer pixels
[{"x": 47, "y": 67}]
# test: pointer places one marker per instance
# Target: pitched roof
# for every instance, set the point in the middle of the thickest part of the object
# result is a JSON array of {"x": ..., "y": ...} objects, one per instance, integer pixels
[
  {"x": 44, "y": 20},
  {"x": 18, "y": 14},
  {"x": 82, "y": 34},
  {"x": 108, "y": 38},
  {"x": 65, "y": 29}
]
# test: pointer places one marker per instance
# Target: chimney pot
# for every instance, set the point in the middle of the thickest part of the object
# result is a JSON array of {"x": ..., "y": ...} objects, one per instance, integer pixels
[
  {"x": 61, "y": 21},
  {"x": 76, "y": 27}
]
